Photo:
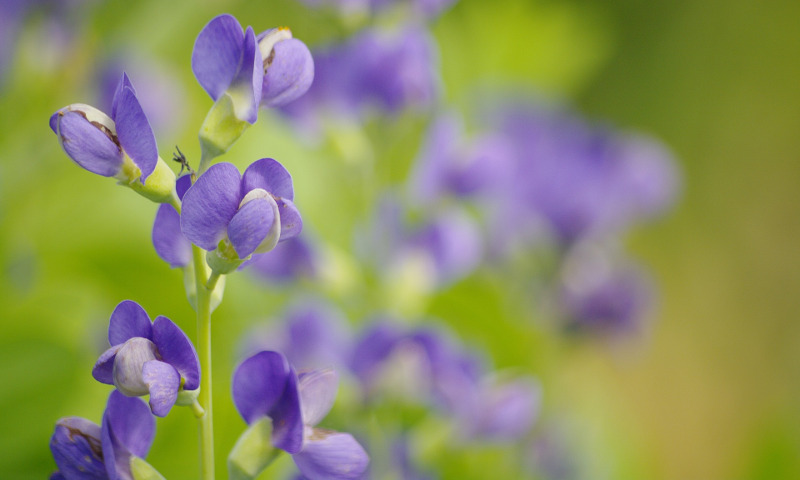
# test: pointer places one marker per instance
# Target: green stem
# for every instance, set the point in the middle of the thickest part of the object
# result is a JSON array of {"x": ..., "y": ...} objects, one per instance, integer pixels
[
  {"x": 204, "y": 351},
  {"x": 205, "y": 162}
]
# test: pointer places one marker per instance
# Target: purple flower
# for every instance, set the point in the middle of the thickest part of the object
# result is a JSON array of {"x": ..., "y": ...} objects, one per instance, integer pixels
[
  {"x": 579, "y": 180},
  {"x": 266, "y": 385},
  {"x": 502, "y": 410},
  {"x": 424, "y": 365},
  {"x": 83, "y": 450},
  {"x": 226, "y": 60},
  {"x": 289, "y": 261},
  {"x": 450, "y": 165},
  {"x": 389, "y": 71},
  {"x": 241, "y": 214},
  {"x": 597, "y": 296},
  {"x": 313, "y": 334},
  {"x": 169, "y": 242},
  {"x": 122, "y": 145},
  {"x": 272, "y": 68},
  {"x": 156, "y": 359}
]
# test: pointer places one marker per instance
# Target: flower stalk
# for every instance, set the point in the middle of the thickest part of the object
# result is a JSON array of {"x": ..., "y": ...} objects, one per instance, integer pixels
[{"x": 206, "y": 423}]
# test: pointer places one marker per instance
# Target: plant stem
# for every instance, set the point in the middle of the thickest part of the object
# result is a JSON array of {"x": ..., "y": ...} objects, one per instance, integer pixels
[{"x": 204, "y": 351}]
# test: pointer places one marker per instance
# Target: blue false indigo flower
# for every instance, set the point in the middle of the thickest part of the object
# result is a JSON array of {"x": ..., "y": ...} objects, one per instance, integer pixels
[
  {"x": 312, "y": 333},
  {"x": 121, "y": 146},
  {"x": 83, "y": 450},
  {"x": 240, "y": 70},
  {"x": 502, "y": 410},
  {"x": 233, "y": 216},
  {"x": 148, "y": 358},
  {"x": 289, "y": 261},
  {"x": 169, "y": 242},
  {"x": 266, "y": 385}
]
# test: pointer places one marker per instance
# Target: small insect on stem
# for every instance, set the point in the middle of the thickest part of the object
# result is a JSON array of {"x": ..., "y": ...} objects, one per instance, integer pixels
[{"x": 181, "y": 158}]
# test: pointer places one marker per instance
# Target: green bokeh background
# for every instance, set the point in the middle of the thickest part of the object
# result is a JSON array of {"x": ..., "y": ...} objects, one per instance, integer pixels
[{"x": 712, "y": 391}]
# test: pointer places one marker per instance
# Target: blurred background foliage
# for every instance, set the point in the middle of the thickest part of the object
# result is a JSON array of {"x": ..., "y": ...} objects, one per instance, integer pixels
[{"x": 710, "y": 390}]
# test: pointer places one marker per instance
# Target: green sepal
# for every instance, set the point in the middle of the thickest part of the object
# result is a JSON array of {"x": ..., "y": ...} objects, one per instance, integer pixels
[
  {"x": 223, "y": 259},
  {"x": 159, "y": 185},
  {"x": 191, "y": 288},
  {"x": 142, "y": 470},
  {"x": 253, "y": 451},
  {"x": 221, "y": 128},
  {"x": 187, "y": 397}
]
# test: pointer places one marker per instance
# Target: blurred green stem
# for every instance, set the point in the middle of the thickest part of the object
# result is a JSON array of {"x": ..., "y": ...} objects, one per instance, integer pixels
[{"x": 204, "y": 351}]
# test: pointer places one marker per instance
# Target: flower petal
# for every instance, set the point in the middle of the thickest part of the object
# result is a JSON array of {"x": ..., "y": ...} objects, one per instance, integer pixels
[
  {"x": 103, "y": 370},
  {"x": 128, "y": 320},
  {"x": 127, "y": 428},
  {"x": 217, "y": 54},
  {"x": 287, "y": 419},
  {"x": 331, "y": 455},
  {"x": 135, "y": 134},
  {"x": 170, "y": 244},
  {"x": 251, "y": 225},
  {"x": 245, "y": 90},
  {"x": 123, "y": 83},
  {"x": 163, "y": 382},
  {"x": 176, "y": 349},
  {"x": 87, "y": 145},
  {"x": 291, "y": 221},
  {"x": 210, "y": 204},
  {"x": 270, "y": 175},
  {"x": 289, "y": 75},
  {"x": 258, "y": 383},
  {"x": 77, "y": 450},
  {"x": 182, "y": 184},
  {"x": 317, "y": 394}
]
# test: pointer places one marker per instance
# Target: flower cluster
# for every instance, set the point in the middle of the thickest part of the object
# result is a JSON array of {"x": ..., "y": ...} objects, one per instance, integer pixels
[{"x": 231, "y": 216}]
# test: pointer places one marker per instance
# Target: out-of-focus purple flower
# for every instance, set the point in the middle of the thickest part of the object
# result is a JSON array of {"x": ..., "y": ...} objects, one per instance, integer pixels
[
  {"x": 503, "y": 410},
  {"x": 109, "y": 146},
  {"x": 602, "y": 295},
  {"x": 376, "y": 69},
  {"x": 160, "y": 93},
  {"x": 84, "y": 450},
  {"x": 266, "y": 385},
  {"x": 147, "y": 358},
  {"x": 247, "y": 213},
  {"x": 423, "y": 365},
  {"x": 169, "y": 242},
  {"x": 577, "y": 179},
  {"x": 287, "y": 262},
  {"x": 312, "y": 335},
  {"x": 449, "y": 164},
  {"x": 446, "y": 247},
  {"x": 395, "y": 69},
  {"x": 452, "y": 242},
  {"x": 12, "y": 13}
]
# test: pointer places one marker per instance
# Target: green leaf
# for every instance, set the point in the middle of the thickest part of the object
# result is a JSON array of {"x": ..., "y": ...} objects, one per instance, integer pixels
[
  {"x": 253, "y": 451},
  {"x": 142, "y": 470}
]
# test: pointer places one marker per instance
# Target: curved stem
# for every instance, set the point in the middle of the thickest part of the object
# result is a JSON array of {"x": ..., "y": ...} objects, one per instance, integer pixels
[{"x": 204, "y": 351}]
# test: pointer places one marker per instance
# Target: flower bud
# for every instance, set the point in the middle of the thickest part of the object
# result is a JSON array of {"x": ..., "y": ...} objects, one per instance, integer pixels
[{"x": 288, "y": 67}]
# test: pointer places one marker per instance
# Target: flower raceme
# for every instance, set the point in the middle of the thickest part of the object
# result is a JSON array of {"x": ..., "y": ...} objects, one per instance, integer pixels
[
  {"x": 233, "y": 216},
  {"x": 148, "y": 358},
  {"x": 84, "y": 450},
  {"x": 121, "y": 145},
  {"x": 265, "y": 385},
  {"x": 240, "y": 71}
]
